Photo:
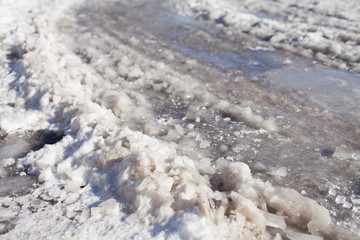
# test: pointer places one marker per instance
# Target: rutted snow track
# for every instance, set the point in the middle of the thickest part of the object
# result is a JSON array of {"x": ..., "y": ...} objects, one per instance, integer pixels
[{"x": 153, "y": 117}]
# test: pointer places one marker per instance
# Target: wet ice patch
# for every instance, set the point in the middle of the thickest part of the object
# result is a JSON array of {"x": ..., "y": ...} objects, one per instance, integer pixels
[
  {"x": 301, "y": 236},
  {"x": 15, "y": 178},
  {"x": 307, "y": 28},
  {"x": 14, "y": 148},
  {"x": 17, "y": 145},
  {"x": 344, "y": 153},
  {"x": 17, "y": 185},
  {"x": 330, "y": 89}
]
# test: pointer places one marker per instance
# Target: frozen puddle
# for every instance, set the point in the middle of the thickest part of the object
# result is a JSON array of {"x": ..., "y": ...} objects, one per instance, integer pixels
[{"x": 167, "y": 127}]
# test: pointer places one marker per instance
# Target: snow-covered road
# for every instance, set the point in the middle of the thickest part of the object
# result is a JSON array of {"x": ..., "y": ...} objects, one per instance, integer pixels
[{"x": 167, "y": 120}]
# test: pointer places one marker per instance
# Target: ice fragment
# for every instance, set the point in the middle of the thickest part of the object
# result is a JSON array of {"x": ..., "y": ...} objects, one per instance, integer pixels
[
  {"x": 275, "y": 221},
  {"x": 340, "y": 199},
  {"x": 347, "y": 205},
  {"x": 355, "y": 200},
  {"x": 301, "y": 236},
  {"x": 332, "y": 192}
]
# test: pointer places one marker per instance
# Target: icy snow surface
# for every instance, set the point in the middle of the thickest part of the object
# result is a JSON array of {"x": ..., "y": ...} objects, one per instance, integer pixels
[
  {"x": 179, "y": 120},
  {"x": 328, "y": 30}
]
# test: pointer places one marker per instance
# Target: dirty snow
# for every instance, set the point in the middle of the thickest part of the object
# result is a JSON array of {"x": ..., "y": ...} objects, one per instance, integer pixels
[{"x": 90, "y": 158}]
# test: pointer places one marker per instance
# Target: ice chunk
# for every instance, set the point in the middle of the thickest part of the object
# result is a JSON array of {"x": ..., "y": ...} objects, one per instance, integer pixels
[
  {"x": 340, "y": 199},
  {"x": 109, "y": 158},
  {"x": 301, "y": 236},
  {"x": 234, "y": 173},
  {"x": 204, "y": 144},
  {"x": 355, "y": 200},
  {"x": 300, "y": 209},
  {"x": 247, "y": 208},
  {"x": 105, "y": 208},
  {"x": 347, "y": 205},
  {"x": 332, "y": 192},
  {"x": 278, "y": 172},
  {"x": 275, "y": 221}
]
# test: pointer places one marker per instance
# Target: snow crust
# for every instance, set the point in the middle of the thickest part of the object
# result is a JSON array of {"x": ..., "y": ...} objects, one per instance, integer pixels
[{"x": 107, "y": 179}]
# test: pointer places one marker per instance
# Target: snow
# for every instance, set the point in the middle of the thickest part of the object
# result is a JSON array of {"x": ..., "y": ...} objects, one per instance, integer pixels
[
  {"x": 304, "y": 27},
  {"x": 118, "y": 172}
]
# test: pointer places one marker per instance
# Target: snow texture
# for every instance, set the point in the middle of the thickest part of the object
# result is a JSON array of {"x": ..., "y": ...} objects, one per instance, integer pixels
[
  {"x": 324, "y": 30},
  {"x": 105, "y": 180}
]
